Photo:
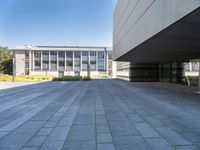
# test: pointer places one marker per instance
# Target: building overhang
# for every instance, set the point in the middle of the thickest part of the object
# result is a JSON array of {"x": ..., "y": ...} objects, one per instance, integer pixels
[{"x": 178, "y": 42}]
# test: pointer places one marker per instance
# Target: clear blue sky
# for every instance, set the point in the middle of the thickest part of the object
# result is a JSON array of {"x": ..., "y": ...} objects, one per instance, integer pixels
[{"x": 56, "y": 22}]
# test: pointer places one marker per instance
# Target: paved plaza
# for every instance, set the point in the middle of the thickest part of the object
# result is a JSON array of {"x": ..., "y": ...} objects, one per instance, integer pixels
[{"x": 99, "y": 114}]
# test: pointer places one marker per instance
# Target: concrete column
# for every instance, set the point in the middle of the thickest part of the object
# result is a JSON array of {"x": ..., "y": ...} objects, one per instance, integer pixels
[{"x": 49, "y": 60}]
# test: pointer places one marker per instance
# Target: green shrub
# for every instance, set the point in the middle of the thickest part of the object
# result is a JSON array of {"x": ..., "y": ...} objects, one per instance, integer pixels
[
  {"x": 86, "y": 78},
  {"x": 71, "y": 78},
  {"x": 6, "y": 78},
  {"x": 68, "y": 78}
]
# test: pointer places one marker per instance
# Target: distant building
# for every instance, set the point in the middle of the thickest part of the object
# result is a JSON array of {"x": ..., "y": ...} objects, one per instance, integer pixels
[
  {"x": 191, "y": 68},
  {"x": 62, "y": 60}
]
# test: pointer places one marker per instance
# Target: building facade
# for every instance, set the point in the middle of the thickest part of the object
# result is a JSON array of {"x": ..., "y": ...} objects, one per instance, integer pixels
[
  {"x": 62, "y": 60},
  {"x": 192, "y": 68},
  {"x": 153, "y": 38}
]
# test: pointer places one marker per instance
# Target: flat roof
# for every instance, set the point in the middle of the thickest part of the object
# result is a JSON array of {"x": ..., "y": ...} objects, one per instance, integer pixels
[{"x": 57, "y": 48}]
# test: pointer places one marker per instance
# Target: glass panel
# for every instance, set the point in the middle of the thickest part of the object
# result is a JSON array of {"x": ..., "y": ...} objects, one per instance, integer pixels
[
  {"x": 37, "y": 54},
  {"x": 77, "y": 61},
  {"x": 53, "y": 55},
  {"x": 26, "y": 54},
  {"x": 195, "y": 66},
  {"x": 37, "y": 65},
  {"x": 53, "y": 65},
  {"x": 100, "y": 54},
  {"x": 109, "y": 55},
  {"x": 45, "y": 55},
  {"x": 61, "y": 65},
  {"x": 101, "y": 61},
  {"x": 93, "y": 65},
  {"x": 69, "y": 60},
  {"x": 45, "y": 65},
  {"x": 26, "y": 64}
]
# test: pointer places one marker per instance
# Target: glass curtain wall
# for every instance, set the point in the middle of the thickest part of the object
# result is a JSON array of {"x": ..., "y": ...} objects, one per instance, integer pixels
[
  {"x": 77, "y": 61},
  {"x": 61, "y": 58},
  {"x": 93, "y": 61},
  {"x": 69, "y": 60},
  {"x": 101, "y": 61},
  {"x": 85, "y": 61},
  {"x": 53, "y": 55},
  {"x": 37, "y": 60},
  {"x": 45, "y": 59}
]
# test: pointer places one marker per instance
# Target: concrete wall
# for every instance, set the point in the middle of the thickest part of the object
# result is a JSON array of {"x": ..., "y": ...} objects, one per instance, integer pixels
[
  {"x": 19, "y": 65},
  {"x": 135, "y": 21},
  {"x": 67, "y": 73}
]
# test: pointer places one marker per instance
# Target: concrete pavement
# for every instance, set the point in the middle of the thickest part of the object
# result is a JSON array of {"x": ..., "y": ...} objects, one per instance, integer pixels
[{"x": 99, "y": 114}]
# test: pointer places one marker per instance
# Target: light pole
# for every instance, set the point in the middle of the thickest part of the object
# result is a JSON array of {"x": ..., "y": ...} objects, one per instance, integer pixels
[{"x": 88, "y": 70}]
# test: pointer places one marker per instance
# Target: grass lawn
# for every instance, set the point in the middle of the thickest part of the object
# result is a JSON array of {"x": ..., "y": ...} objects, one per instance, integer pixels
[{"x": 27, "y": 78}]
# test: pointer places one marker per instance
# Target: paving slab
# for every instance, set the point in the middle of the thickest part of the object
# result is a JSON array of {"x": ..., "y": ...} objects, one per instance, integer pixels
[{"x": 99, "y": 115}]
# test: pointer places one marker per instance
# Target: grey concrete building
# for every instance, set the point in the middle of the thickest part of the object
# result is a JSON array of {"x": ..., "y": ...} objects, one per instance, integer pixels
[
  {"x": 155, "y": 37},
  {"x": 62, "y": 60}
]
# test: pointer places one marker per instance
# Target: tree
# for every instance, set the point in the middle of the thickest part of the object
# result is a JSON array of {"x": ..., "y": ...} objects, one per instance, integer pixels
[{"x": 5, "y": 61}]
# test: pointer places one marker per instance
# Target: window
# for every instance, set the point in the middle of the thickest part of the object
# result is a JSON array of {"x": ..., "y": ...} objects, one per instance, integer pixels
[
  {"x": 85, "y": 65},
  {"x": 26, "y": 54},
  {"x": 37, "y": 54},
  {"x": 37, "y": 65},
  {"x": 69, "y": 63},
  {"x": 53, "y": 55},
  {"x": 109, "y": 55},
  {"x": 61, "y": 65},
  {"x": 26, "y": 72},
  {"x": 187, "y": 66},
  {"x": 101, "y": 54},
  {"x": 77, "y": 61},
  {"x": 69, "y": 55},
  {"x": 101, "y": 61},
  {"x": 45, "y": 55},
  {"x": 93, "y": 65},
  {"x": 26, "y": 64},
  {"x": 100, "y": 65},
  {"x": 53, "y": 65},
  {"x": 77, "y": 55},
  {"x": 195, "y": 66},
  {"x": 61, "y": 54},
  {"x": 85, "y": 57},
  {"x": 45, "y": 65},
  {"x": 84, "y": 53},
  {"x": 69, "y": 60},
  {"x": 92, "y": 53}
]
